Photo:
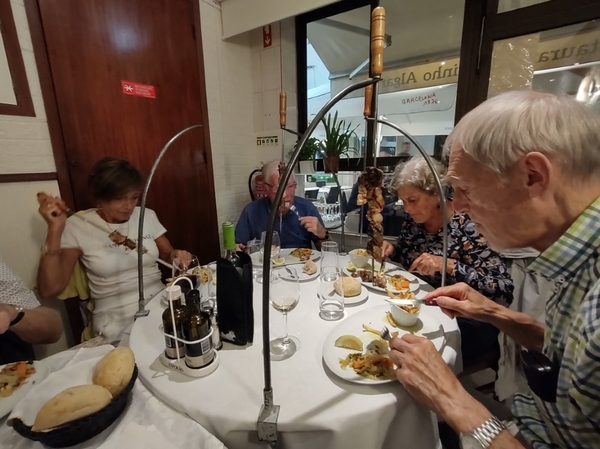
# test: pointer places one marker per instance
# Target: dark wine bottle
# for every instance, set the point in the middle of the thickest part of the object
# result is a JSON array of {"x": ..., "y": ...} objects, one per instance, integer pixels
[
  {"x": 179, "y": 313},
  {"x": 196, "y": 328}
]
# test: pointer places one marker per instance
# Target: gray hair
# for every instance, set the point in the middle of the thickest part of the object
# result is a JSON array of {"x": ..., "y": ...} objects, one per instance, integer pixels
[
  {"x": 270, "y": 169},
  {"x": 416, "y": 172},
  {"x": 505, "y": 128}
]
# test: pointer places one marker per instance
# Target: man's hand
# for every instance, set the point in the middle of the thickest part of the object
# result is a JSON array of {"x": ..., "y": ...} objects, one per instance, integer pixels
[
  {"x": 314, "y": 226},
  {"x": 240, "y": 247},
  {"x": 428, "y": 264},
  {"x": 7, "y": 314},
  {"x": 461, "y": 300},
  {"x": 387, "y": 249}
]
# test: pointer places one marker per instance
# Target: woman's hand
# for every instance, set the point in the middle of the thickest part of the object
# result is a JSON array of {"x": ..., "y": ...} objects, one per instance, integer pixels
[
  {"x": 184, "y": 257},
  {"x": 53, "y": 209},
  {"x": 428, "y": 264},
  {"x": 461, "y": 300},
  {"x": 387, "y": 249}
]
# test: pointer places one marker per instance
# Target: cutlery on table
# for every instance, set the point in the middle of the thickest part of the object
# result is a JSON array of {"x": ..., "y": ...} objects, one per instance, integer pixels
[{"x": 409, "y": 302}]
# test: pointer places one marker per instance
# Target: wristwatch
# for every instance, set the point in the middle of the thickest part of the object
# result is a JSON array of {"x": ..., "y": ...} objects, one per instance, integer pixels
[
  {"x": 19, "y": 317},
  {"x": 482, "y": 436}
]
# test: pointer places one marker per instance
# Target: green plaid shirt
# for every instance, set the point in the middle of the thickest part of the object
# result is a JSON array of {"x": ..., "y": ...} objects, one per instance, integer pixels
[{"x": 572, "y": 337}]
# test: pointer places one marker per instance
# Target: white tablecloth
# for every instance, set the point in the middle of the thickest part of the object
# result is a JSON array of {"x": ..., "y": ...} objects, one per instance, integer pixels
[
  {"x": 318, "y": 409},
  {"x": 146, "y": 422}
]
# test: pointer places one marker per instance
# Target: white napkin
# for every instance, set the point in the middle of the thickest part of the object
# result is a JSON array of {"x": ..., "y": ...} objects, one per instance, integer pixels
[
  {"x": 136, "y": 436},
  {"x": 78, "y": 371}
]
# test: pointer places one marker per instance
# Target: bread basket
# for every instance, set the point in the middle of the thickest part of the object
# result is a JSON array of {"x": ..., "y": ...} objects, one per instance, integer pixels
[{"x": 81, "y": 429}]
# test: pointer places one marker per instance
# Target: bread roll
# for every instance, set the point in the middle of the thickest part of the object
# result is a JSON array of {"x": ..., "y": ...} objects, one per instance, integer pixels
[
  {"x": 71, "y": 404},
  {"x": 351, "y": 287},
  {"x": 114, "y": 370},
  {"x": 309, "y": 267}
]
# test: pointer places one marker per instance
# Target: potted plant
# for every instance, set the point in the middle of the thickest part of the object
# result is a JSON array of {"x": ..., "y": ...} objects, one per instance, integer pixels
[
  {"x": 306, "y": 157},
  {"x": 337, "y": 141}
]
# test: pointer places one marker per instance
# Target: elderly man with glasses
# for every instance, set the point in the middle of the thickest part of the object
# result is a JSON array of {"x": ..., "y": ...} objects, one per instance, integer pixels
[{"x": 300, "y": 225}]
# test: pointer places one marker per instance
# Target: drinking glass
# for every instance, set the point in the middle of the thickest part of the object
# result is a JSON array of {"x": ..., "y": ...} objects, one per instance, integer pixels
[
  {"x": 329, "y": 254},
  {"x": 191, "y": 270},
  {"x": 254, "y": 247},
  {"x": 284, "y": 296},
  {"x": 331, "y": 303},
  {"x": 275, "y": 244}
]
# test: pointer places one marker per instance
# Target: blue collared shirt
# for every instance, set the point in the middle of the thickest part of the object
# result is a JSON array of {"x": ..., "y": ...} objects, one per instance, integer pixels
[{"x": 255, "y": 216}]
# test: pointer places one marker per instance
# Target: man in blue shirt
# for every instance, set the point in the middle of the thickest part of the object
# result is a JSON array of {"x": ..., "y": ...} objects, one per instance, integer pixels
[{"x": 298, "y": 229}]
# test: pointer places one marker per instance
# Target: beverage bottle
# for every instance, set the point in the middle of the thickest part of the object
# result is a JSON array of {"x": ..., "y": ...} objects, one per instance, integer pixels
[
  {"x": 229, "y": 245},
  {"x": 172, "y": 346},
  {"x": 196, "y": 327}
]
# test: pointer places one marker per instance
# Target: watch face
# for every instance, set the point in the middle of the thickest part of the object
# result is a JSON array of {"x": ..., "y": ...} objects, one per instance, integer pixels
[{"x": 468, "y": 441}]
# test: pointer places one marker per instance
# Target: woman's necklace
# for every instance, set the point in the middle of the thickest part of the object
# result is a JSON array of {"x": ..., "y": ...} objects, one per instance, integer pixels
[{"x": 119, "y": 239}]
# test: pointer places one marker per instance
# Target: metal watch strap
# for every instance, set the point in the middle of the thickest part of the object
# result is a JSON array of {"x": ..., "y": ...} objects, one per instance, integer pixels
[
  {"x": 489, "y": 430},
  {"x": 19, "y": 317}
]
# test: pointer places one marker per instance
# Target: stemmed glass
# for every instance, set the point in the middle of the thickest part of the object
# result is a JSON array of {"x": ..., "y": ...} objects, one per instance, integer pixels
[
  {"x": 284, "y": 296},
  {"x": 191, "y": 270}
]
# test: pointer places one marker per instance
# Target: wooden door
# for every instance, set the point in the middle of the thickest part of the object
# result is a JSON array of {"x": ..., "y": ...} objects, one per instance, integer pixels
[{"x": 98, "y": 52}]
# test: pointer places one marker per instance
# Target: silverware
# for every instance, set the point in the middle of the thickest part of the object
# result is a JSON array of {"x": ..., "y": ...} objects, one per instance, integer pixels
[
  {"x": 407, "y": 302},
  {"x": 295, "y": 210},
  {"x": 385, "y": 334}
]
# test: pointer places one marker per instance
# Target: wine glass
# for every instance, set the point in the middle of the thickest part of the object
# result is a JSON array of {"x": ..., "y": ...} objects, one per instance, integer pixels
[
  {"x": 191, "y": 270},
  {"x": 275, "y": 245},
  {"x": 284, "y": 296}
]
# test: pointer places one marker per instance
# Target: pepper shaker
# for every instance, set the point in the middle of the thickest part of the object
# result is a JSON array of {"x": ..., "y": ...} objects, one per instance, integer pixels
[{"x": 209, "y": 308}]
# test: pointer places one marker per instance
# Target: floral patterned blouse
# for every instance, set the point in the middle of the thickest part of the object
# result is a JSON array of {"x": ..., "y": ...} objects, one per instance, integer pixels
[{"x": 476, "y": 263}]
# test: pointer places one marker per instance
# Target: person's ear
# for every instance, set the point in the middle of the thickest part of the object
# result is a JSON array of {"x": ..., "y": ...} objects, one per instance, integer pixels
[{"x": 538, "y": 171}]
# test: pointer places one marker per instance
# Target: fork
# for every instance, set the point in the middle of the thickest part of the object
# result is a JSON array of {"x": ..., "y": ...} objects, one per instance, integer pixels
[{"x": 385, "y": 334}]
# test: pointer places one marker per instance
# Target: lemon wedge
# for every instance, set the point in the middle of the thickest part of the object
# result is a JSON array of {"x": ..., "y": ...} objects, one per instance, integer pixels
[
  {"x": 349, "y": 342},
  {"x": 279, "y": 261}
]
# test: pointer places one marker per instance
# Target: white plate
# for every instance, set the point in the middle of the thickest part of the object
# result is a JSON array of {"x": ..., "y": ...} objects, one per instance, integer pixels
[
  {"x": 414, "y": 282},
  {"x": 358, "y": 299},
  {"x": 288, "y": 258},
  {"x": 8, "y": 403},
  {"x": 302, "y": 276},
  {"x": 428, "y": 326}
]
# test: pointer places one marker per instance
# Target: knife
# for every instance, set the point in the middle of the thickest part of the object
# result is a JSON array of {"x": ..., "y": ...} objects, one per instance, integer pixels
[{"x": 410, "y": 302}]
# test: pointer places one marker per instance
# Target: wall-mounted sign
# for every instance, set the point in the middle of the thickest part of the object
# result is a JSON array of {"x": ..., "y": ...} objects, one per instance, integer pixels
[
  {"x": 267, "y": 141},
  {"x": 138, "y": 89},
  {"x": 267, "y": 36}
]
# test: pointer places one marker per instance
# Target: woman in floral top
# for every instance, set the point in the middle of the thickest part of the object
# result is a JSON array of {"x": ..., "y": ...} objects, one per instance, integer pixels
[{"x": 470, "y": 260}]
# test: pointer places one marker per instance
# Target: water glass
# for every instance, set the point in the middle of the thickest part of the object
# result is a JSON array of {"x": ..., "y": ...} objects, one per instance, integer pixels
[
  {"x": 331, "y": 303},
  {"x": 190, "y": 269},
  {"x": 255, "y": 247},
  {"x": 329, "y": 254}
]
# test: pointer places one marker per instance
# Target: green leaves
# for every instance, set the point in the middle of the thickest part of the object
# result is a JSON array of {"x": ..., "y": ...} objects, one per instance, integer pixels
[{"x": 337, "y": 137}]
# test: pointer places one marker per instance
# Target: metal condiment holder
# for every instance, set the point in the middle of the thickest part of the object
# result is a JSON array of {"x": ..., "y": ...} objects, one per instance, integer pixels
[{"x": 179, "y": 363}]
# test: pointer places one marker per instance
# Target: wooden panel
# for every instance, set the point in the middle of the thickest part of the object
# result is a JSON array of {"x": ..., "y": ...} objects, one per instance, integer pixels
[
  {"x": 24, "y": 106},
  {"x": 92, "y": 48},
  {"x": 27, "y": 177}
]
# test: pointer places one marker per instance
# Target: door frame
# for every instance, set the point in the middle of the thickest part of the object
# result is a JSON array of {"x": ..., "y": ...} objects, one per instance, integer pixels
[
  {"x": 42, "y": 61},
  {"x": 483, "y": 26},
  {"x": 40, "y": 50}
]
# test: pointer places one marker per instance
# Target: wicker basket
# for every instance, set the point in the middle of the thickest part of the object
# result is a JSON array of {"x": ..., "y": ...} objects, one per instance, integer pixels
[{"x": 81, "y": 429}]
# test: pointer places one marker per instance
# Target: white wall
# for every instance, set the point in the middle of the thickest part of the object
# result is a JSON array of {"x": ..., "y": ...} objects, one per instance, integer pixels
[{"x": 240, "y": 16}]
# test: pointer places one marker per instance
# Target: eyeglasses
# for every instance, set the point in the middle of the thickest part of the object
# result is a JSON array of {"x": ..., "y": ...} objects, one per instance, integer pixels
[{"x": 288, "y": 187}]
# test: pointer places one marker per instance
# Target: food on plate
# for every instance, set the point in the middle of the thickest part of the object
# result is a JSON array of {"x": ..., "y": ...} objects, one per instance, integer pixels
[
  {"x": 302, "y": 253},
  {"x": 403, "y": 294},
  {"x": 349, "y": 342},
  {"x": 71, "y": 404},
  {"x": 380, "y": 280},
  {"x": 370, "y": 186},
  {"x": 348, "y": 286},
  {"x": 309, "y": 267},
  {"x": 114, "y": 370},
  {"x": 204, "y": 273},
  {"x": 366, "y": 276},
  {"x": 13, "y": 376},
  {"x": 361, "y": 252},
  {"x": 399, "y": 282},
  {"x": 279, "y": 261},
  {"x": 351, "y": 267},
  {"x": 377, "y": 332},
  {"x": 372, "y": 364}
]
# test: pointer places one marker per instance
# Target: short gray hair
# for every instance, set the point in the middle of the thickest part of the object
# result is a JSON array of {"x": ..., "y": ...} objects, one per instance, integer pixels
[
  {"x": 416, "y": 172},
  {"x": 505, "y": 128},
  {"x": 270, "y": 169}
]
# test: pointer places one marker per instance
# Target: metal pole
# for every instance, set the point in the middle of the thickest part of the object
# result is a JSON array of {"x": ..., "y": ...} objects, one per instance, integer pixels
[{"x": 141, "y": 306}]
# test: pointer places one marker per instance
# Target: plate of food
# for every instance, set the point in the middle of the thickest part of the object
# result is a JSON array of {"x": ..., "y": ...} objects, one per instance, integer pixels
[
  {"x": 16, "y": 379},
  {"x": 289, "y": 256},
  {"x": 355, "y": 352},
  {"x": 354, "y": 293},
  {"x": 397, "y": 281},
  {"x": 307, "y": 272}
]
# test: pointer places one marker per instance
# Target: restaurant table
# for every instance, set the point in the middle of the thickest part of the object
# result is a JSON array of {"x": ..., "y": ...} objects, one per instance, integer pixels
[
  {"x": 318, "y": 409},
  {"x": 145, "y": 423}
]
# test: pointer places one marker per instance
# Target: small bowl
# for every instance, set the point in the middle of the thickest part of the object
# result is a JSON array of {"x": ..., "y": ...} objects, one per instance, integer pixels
[
  {"x": 404, "y": 318},
  {"x": 358, "y": 260}
]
